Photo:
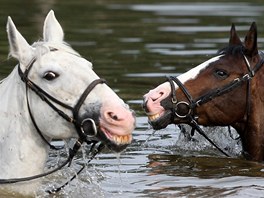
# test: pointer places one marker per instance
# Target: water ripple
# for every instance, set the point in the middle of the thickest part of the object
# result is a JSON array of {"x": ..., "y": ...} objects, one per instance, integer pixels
[{"x": 201, "y": 9}]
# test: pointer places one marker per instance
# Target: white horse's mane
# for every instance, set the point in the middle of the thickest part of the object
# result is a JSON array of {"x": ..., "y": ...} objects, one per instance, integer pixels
[{"x": 44, "y": 47}]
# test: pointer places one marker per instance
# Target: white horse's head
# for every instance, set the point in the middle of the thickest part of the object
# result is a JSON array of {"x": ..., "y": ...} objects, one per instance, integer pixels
[{"x": 60, "y": 72}]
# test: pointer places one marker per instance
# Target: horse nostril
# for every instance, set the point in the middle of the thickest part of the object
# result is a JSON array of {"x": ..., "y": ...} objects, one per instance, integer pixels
[
  {"x": 161, "y": 93},
  {"x": 157, "y": 96},
  {"x": 113, "y": 116}
]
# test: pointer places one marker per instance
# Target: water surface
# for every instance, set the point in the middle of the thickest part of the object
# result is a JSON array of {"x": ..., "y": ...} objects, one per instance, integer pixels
[{"x": 134, "y": 45}]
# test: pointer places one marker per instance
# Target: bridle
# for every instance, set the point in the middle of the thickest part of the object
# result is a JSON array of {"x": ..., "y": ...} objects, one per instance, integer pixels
[
  {"x": 190, "y": 106},
  {"x": 86, "y": 128},
  {"x": 75, "y": 120}
]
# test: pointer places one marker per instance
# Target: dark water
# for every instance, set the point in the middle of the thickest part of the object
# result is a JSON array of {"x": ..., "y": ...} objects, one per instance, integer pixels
[{"x": 134, "y": 44}]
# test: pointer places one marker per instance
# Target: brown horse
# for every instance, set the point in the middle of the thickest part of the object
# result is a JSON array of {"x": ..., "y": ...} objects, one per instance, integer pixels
[{"x": 226, "y": 90}]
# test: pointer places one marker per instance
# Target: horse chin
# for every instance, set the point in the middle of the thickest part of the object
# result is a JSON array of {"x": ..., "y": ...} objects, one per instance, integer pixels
[
  {"x": 160, "y": 121},
  {"x": 114, "y": 142}
]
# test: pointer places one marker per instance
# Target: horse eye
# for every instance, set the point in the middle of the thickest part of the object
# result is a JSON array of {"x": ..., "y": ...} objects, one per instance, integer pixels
[
  {"x": 221, "y": 74},
  {"x": 50, "y": 75}
]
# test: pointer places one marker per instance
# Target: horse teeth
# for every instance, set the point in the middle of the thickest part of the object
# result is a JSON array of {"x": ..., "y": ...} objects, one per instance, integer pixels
[
  {"x": 153, "y": 117},
  {"x": 124, "y": 139},
  {"x": 116, "y": 138}
]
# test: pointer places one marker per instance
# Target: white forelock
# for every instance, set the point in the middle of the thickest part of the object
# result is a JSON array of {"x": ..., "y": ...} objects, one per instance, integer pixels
[{"x": 59, "y": 46}]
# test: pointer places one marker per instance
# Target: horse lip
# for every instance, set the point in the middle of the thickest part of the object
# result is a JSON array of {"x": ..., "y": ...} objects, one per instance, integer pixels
[
  {"x": 114, "y": 142},
  {"x": 162, "y": 121},
  {"x": 117, "y": 148},
  {"x": 118, "y": 139},
  {"x": 154, "y": 116}
]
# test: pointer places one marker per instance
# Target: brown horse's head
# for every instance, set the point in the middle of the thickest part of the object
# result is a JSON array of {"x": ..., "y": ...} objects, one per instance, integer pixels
[{"x": 224, "y": 90}]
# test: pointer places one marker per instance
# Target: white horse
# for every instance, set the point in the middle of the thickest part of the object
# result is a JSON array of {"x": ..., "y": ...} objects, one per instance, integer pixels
[{"x": 46, "y": 87}]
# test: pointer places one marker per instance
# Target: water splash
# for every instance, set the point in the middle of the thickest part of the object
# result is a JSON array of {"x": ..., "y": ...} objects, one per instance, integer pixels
[
  {"x": 86, "y": 184},
  {"x": 149, "y": 137},
  {"x": 120, "y": 191},
  {"x": 219, "y": 135}
]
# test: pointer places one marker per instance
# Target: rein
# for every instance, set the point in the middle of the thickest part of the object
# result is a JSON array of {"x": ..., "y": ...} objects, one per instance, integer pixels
[
  {"x": 75, "y": 120},
  {"x": 191, "y": 105}
]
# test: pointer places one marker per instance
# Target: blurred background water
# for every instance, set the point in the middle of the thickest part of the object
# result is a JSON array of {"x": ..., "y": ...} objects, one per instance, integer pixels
[{"x": 134, "y": 45}]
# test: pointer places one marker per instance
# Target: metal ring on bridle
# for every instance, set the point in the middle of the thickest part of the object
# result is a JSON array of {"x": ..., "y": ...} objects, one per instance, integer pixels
[
  {"x": 174, "y": 100},
  {"x": 93, "y": 126},
  {"x": 188, "y": 106}
]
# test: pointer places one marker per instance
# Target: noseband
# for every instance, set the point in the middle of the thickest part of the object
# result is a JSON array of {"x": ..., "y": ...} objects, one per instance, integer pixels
[
  {"x": 187, "y": 110},
  {"x": 80, "y": 124}
]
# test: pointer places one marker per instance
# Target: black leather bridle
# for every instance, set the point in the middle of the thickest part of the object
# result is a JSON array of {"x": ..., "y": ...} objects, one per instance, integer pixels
[
  {"x": 75, "y": 119},
  {"x": 190, "y": 106},
  {"x": 86, "y": 128}
]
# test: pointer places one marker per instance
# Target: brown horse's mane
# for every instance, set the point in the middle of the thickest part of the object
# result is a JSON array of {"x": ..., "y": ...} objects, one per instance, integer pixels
[
  {"x": 236, "y": 50},
  {"x": 233, "y": 50}
]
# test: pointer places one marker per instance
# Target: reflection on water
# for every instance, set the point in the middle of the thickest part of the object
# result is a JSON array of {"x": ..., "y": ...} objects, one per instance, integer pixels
[
  {"x": 134, "y": 45},
  {"x": 202, "y": 9}
]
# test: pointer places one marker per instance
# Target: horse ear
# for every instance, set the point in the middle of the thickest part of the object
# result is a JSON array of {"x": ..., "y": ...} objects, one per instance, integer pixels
[
  {"x": 52, "y": 30},
  {"x": 19, "y": 48},
  {"x": 251, "y": 40},
  {"x": 234, "y": 38}
]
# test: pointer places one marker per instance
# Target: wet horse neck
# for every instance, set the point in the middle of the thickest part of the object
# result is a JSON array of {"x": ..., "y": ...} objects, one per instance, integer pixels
[
  {"x": 251, "y": 129},
  {"x": 23, "y": 153}
]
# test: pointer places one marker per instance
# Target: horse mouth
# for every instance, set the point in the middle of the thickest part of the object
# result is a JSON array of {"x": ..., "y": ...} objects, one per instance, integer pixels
[
  {"x": 115, "y": 142},
  {"x": 160, "y": 120},
  {"x": 154, "y": 117},
  {"x": 117, "y": 139}
]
